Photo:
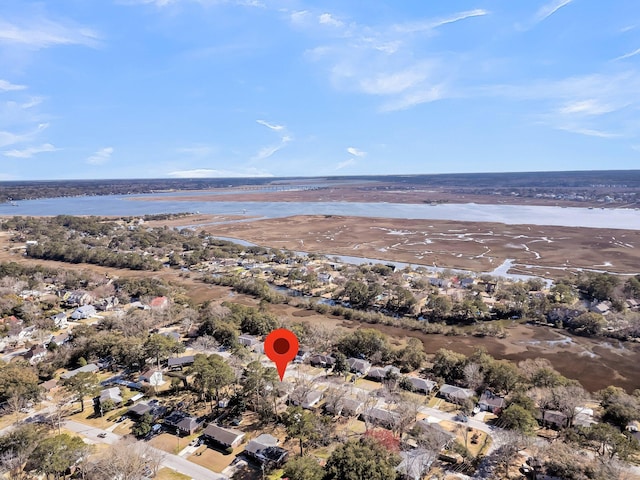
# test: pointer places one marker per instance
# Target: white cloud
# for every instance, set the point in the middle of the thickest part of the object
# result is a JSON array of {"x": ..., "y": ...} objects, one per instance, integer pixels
[
  {"x": 346, "y": 164},
  {"x": 426, "y": 95},
  {"x": 271, "y": 126},
  {"x": 549, "y": 9},
  {"x": 9, "y": 138},
  {"x": 9, "y": 87},
  {"x": 328, "y": 19},
  {"x": 588, "y": 131},
  {"x": 586, "y": 107},
  {"x": 100, "y": 157},
  {"x": 266, "y": 152},
  {"x": 395, "y": 82},
  {"x": 30, "y": 151},
  {"x": 209, "y": 173},
  {"x": 34, "y": 101},
  {"x": 356, "y": 152},
  {"x": 628, "y": 55},
  {"x": 42, "y": 33},
  {"x": 427, "y": 25}
]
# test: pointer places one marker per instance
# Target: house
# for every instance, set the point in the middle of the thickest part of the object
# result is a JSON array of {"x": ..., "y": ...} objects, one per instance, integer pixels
[
  {"x": 178, "y": 363},
  {"x": 554, "y": 419},
  {"x": 350, "y": 407},
  {"x": 35, "y": 354},
  {"x": 632, "y": 304},
  {"x": 139, "y": 305},
  {"x": 227, "y": 437},
  {"x": 421, "y": 384},
  {"x": 159, "y": 303},
  {"x": 151, "y": 376},
  {"x": 107, "y": 303},
  {"x": 183, "y": 423},
  {"x": 247, "y": 340},
  {"x": 152, "y": 407},
  {"x": 381, "y": 417},
  {"x": 380, "y": 373},
  {"x": 467, "y": 282},
  {"x": 583, "y": 417},
  {"x": 357, "y": 365},
  {"x": 324, "y": 361},
  {"x": 60, "y": 320},
  {"x": 602, "y": 308},
  {"x": 325, "y": 277},
  {"x": 455, "y": 394},
  {"x": 89, "y": 367},
  {"x": 302, "y": 355},
  {"x": 85, "y": 311},
  {"x": 113, "y": 394},
  {"x": 439, "y": 282},
  {"x": 490, "y": 402},
  {"x": 77, "y": 298},
  {"x": 415, "y": 463},
  {"x": 135, "y": 398},
  {"x": 308, "y": 400},
  {"x": 265, "y": 450},
  {"x": 440, "y": 437},
  {"x": 61, "y": 338}
]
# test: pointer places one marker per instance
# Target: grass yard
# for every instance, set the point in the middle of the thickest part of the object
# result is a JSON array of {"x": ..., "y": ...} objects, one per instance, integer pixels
[
  {"x": 168, "y": 474},
  {"x": 169, "y": 443},
  {"x": 88, "y": 417},
  {"x": 213, "y": 459}
]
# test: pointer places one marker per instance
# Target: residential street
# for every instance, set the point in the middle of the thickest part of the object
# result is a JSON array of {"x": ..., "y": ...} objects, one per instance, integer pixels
[{"x": 174, "y": 462}]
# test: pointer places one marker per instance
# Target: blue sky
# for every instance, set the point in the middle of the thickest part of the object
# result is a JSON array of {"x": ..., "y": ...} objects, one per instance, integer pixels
[{"x": 206, "y": 88}]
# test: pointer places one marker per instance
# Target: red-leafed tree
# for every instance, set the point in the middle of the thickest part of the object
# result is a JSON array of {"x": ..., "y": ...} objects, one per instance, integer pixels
[{"x": 384, "y": 438}]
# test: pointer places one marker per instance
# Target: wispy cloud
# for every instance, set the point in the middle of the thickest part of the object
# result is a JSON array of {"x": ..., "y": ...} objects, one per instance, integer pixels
[
  {"x": 427, "y": 25},
  {"x": 10, "y": 138},
  {"x": 588, "y": 131},
  {"x": 586, "y": 107},
  {"x": 266, "y": 152},
  {"x": 211, "y": 173},
  {"x": 549, "y": 9},
  {"x": 166, "y": 3},
  {"x": 628, "y": 55},
  {"x": 197, "y": 150},
  {"x": 389, "y": 61},
  {"x": 271, "y": 126},
  {"x": 346, "y": 163},
  {"x": 6, "y": 86},
  {"x": 356, "y": 152},
  {"x": 100, "y": 157},
  {"x": 40, "y": 33},
  {"x": 269, "y": 150},
  {"x": 30, "y": 151}
]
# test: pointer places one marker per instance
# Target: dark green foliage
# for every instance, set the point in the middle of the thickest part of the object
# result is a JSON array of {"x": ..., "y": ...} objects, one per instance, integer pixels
[
  {"x": 361, "y": 460},
  {"x": 303, "y": 468}
]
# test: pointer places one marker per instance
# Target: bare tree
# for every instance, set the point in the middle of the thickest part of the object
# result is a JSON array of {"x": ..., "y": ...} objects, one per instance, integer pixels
[
  {"x": 13, "y": 406},
  {"x": 473, "y": 375},
  {"x": 205, "y": 344},
  {"x": 126, "y": 460},
  {"x": 61, "y": 408},
  {"x": 567, "y": 398}
]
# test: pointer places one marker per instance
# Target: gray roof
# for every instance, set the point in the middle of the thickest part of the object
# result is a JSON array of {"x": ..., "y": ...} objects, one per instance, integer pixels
[
  {"x": 421, "y": 383},
  {"x": 224, "y": 436},
  {"x": 456, "y": 392},
  {"x": 179, "y": 361},
  {"x": 89, "y": 367},
  {"x": 261, "y": 442},
  {"x": 415, "y": 463}
]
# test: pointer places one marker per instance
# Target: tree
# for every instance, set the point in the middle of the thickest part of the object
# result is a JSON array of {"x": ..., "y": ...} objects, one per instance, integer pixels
[
  {"x": 303, "y": 468},
  {"x": 211, "y": 374},
  {"x": 299, "y": 424},
  {"x": 620, "y": 408},
  {"x": 55, "y": 455},
  {"x": 361, "y": 294},
  {"x": 515, "y": 417},
  {"x": 412, "y": 356},
  {"x": 16, "y": 448},
  {"x": 608, "y": 442},
  {"x": 126, "y": 460},
  {"x": 258, "y": 386},
  {"x": 364, "y": 343},
  {"x": 82, "y": 384},
  {"x": 143, "y": 426},
  {"x": 340, "y": 366},
  {"x": 502, "y": 376},
  {"x": 361, "y": 460},
  {"x": 448, "y": 365},
  {"x": 160, "y": 347},
  {"x": 18, "y": 379}
]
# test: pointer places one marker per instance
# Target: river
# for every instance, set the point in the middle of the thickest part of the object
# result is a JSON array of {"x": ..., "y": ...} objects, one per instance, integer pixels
[{"x": 132, "y": 205}]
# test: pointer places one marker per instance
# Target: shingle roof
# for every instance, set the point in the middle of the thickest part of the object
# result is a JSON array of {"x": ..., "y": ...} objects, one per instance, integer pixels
[{"x": 224, "y": 436}]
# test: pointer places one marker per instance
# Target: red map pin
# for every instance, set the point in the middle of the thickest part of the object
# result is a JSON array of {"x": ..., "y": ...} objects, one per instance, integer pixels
[{"x": 281, "y": 346}]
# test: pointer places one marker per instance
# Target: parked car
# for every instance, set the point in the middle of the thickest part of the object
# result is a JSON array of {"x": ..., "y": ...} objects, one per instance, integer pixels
[{"x": 102, "y": 435}]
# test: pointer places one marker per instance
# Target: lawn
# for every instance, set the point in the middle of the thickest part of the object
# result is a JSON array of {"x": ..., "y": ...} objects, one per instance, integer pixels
[
  {"x": 88, "y": 417},
  {"x": 213, "y": 459},
  {"x": 170, "y": 443},
  {"x": 168, "y": 474}
]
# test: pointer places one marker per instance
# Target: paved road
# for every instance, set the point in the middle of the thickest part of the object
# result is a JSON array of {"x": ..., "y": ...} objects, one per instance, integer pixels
[{"x": 174, "y": 462}]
